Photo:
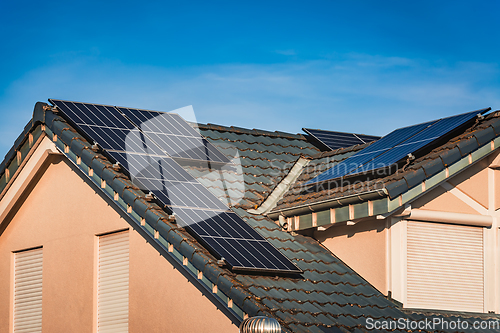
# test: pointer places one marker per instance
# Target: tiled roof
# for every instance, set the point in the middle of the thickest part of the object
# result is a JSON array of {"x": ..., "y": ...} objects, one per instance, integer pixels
[
  {"x": 399, "y": 182},
  {"x": 265, "y": 159},
  {"x": 330, "y": 294},
  {"x": 328, "y": 297}
]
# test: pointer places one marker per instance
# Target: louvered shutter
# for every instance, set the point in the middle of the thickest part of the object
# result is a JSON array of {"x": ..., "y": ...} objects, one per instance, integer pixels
[
  {"x": 445, "y": 267},
  {"x": 28, "y": 291},
  {"x": 112, "y": 293}
]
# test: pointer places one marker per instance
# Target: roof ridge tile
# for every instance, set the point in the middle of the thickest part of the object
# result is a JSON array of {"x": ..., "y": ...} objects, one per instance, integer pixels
[{"x": 255, "y": 132}]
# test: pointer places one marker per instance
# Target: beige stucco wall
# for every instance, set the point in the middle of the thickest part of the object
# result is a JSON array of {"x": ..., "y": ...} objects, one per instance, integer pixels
[
  {"x": 361, "y": 246},
  {"x": 364, "y": 245},
  {"x": 473, "y": 182},
  {"x": 439, "y": 199},
  {"x": 63, "y": 213}
]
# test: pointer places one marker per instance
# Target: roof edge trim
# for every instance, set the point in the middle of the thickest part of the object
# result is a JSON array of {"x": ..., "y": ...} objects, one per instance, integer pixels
[
  {"x": 475, "y": 220},
  {"x": 27, "y": 172}
]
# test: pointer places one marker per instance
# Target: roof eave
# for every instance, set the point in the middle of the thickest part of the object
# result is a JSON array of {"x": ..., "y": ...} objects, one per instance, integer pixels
[{"x": 385, "y": 205}]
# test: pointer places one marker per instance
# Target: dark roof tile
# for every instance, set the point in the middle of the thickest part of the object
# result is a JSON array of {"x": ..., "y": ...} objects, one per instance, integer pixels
[
  {"x": 432, "y": 166},
  {"x": 395, "y": 188},
  {"x": 450, "y": 156},
  {"x": 496, "y": 126},
  {"x": 467, "y": 145},
  {"x": 485, "y": 135},
  {"x": 414, "y": 177}
]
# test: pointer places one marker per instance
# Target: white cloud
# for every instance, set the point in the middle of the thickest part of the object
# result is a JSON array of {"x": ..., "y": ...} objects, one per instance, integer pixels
[{"x": 358, "y": 93}]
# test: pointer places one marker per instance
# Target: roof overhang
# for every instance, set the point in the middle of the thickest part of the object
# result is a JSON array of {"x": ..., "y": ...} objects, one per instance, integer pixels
[{"x": 380, "y": 203}]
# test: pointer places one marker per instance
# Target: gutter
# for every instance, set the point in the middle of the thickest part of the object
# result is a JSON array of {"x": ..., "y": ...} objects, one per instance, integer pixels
[{"x": 329, "y": 203}]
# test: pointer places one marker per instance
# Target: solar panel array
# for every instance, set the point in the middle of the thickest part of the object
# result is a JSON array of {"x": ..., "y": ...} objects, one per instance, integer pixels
[
  {"x": 142, "y": 141},
  {"x": 395, "y": 146},
  {"x": 174, "y": 136},
  {"x": 335, "y": 140}
]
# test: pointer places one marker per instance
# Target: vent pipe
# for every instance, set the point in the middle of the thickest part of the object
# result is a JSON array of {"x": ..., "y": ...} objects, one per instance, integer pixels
[{"x": 260, "y": 324}]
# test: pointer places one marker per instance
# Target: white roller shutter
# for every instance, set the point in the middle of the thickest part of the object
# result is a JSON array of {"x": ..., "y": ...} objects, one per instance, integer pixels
[
  {"x": 28, "y": 291},
  {"x": 445, "y": 267},
  {"x": 112, "y": 290}
]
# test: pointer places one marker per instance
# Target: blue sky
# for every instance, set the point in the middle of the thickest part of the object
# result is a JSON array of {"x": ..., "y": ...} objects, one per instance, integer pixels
[{"x": 356, "y": 66}]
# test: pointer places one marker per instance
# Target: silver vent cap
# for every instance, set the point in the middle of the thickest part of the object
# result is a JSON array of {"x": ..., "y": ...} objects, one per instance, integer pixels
[{"x": 260, "y": 324}]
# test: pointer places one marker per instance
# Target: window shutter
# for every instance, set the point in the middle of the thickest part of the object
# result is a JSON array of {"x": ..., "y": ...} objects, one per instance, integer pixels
[
  {"x": 28, "y": 291},
  {"x": 445, "y": 267},
  {"x": 112, "y": 283}
]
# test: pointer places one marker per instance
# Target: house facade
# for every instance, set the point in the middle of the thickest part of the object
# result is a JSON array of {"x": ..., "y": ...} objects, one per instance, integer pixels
[
  {"x": 82, "y": 248},
  {"x": 54, "y": 211},
  {"x": 434, "y": 242}
]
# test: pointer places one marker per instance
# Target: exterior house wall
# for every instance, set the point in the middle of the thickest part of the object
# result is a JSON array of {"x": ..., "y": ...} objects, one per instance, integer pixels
[
  {"x": 361, "y": 246},
  {"x": 441, "y": 200},
  {"x": 472, "y": 182},
  {"x": 62, "y": 212},
  {"x": 379, "y": 254}
]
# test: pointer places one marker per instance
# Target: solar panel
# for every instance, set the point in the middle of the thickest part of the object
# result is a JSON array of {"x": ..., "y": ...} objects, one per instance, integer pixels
[
  {"x": 222, "y": 231},
  {"x": 416, "y": 142},
  {"x": 369, "y": 153},
  {"x": 395, "y": 146},
  {"x": 171, "y": 184},
  {"x": 335, "y": 140},
  {"x": 174, "y": 136}
]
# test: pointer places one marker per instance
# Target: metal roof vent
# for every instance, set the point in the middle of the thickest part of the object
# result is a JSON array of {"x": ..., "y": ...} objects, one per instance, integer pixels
[{"x": 260, "y": 324}]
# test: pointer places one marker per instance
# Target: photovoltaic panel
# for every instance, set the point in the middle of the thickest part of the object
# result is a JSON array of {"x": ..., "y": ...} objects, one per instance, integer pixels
[
  {"x": 199, "y": 210},
  {"x": 222, "y": 231},
  {"x": 335, "y": 140},
  {"x": 171, "y": 184},
  {"x": 238, "y": 243},
  {"x": 174, "y": 135},
  {"x": 395, "y": 146},
  {"x": 369, "y": 153},
  {"x": 416, "y": 142},
  {"x": 106, "y": 126}
]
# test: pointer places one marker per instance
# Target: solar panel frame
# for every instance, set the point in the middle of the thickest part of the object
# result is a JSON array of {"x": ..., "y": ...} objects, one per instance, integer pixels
[
  {"x": 95, "y": 130},
  {"x": 222, "y": 231}
]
